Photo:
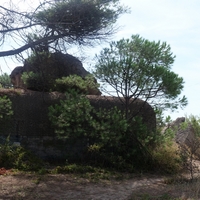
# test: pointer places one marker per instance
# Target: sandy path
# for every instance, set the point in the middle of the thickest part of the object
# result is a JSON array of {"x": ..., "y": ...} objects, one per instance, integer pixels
[{"x": 60, "y": 187}]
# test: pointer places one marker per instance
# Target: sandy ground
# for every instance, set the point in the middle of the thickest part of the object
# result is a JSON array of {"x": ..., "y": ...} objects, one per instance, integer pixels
[{"x": 68, "y": 187}]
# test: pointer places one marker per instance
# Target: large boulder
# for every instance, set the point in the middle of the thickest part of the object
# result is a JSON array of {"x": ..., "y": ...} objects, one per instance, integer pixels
[{"x": 46, "y": 68}]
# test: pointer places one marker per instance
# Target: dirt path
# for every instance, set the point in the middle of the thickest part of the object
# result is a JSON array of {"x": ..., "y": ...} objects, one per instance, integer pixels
[{"x": 66, "y": 187}]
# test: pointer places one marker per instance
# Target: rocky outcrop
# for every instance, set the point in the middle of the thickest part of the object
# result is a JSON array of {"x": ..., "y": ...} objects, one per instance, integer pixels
[
  {"x": 31, "y": 126},
  {"x": 46, "y": 69},
  {"x": 31, "y": 108},
  {"x": 184, "y": 132}
]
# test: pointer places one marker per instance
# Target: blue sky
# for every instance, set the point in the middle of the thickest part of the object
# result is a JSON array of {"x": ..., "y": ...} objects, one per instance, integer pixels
[
  {"x": 175, "y": 22},
  {"x": 178, "y": 24}
]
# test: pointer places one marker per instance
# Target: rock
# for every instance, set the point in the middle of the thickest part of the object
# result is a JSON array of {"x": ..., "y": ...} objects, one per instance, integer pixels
[
  {"x": 184, "y": 134},
  {"x": 15, "y": 77},
  {"x": 138, "y": 108},
  {"x": 31, "y": 121},
  {"x": 47, "y": 68}
]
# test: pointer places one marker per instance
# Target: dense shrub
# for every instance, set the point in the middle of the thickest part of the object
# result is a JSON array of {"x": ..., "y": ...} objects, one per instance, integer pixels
[
  {"x": 111, "y": 139},
  {"x": 35, "y": 81},
  {"x": 71, "y": 118},
  {"x": 5, "y": 81},
  {"x": 6, "y": 112}
]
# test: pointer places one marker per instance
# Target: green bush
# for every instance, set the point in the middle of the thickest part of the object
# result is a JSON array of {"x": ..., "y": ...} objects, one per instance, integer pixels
[
  {"x": 35, "y": 81},
  {"x": 81, "y": 85},
  {"x": 71, "y": 118},
  {"x": 5, "y": 108},
  {"x": 111, "y": 139},
  {"x": 38, "y": 76},
  {"x": 19, "y": 158},
  {"x": 5, "y": 81}
]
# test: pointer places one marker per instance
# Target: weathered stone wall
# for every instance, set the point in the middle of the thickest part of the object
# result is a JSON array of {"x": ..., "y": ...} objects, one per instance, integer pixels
[
  {"x": 30, "y": 113},
  {"x": 30, "y": 124}
]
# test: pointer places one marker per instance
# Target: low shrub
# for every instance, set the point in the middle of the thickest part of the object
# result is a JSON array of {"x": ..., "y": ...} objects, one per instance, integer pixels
[
  {"x": 17, "y": 157},
  {"x": 5, "y": 108},
  {"x": 167, "y": 158},
  {"x": 75, "y": 82}
]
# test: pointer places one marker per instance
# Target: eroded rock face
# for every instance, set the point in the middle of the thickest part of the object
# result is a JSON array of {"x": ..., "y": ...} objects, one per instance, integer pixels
[
  {"x": 56, "y": 65},
  {"x": 184, "y": 134},
  {"x": 15, "y": 77},
  {"x": 53, "y": 66}
]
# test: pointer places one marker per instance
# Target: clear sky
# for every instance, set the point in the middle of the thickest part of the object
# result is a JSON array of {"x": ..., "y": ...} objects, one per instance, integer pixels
[{"x": 175, "y": 22}]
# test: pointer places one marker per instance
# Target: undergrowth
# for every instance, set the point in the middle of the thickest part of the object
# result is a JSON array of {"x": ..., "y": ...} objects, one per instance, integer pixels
[
  {"x": 17, "y": 157},
  {"x": 89, "y": 172}
]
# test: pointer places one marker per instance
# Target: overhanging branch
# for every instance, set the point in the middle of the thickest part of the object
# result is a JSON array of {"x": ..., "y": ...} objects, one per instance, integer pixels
[{"x": 50, "y": 39}]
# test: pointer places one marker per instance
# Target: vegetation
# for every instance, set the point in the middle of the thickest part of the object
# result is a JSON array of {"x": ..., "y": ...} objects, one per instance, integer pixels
[
  {"x": 106, "y": 132},
  {"x": 72, "y": 117},
  {"x": 5, "y": 81},
  {"x": 82, "y": 86},
  {"x": 57, "y": 24},
  {"x": 190, "y": 150},
  {"x": 5, "y": 108},
  {"x": 17, "y": 157},
  {"x": 137, "y": 68},
  {"x": 107, "y": 136},
  {"x": 35, "y": 81}
]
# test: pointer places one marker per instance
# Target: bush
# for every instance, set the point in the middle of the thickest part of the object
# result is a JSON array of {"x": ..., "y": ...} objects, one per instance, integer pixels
[
  {"x": 167, "y": 159},
  {"x": 5, "y": 81},
  {"x": 19, "y": 158},
  {"x": 110, "y": 139},
  {"x": 35, "y": 81},
  {"x": 72, "y": 117},
  {"x": 81, "y": 85},
  {"x": 5, "y": 108}
]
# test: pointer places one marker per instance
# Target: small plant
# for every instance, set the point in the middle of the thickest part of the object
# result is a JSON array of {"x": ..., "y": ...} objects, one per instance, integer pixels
[
  {"x": 5, "y": 81},
  {"x": 5, "y": 108},
  {"x": 88, "y": 171}
]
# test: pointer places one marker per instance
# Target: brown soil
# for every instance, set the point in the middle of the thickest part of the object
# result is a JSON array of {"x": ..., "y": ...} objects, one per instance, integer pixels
[{"x": 68, "y": 187}]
